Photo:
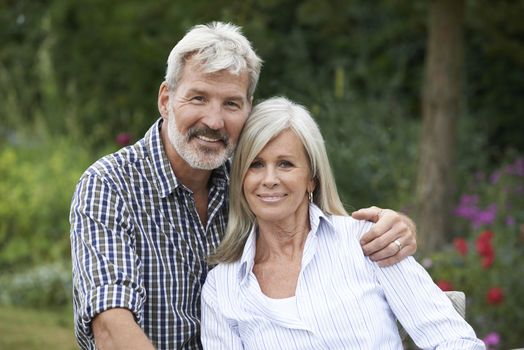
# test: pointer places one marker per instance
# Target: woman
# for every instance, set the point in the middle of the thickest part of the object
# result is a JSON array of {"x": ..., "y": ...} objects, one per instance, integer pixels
[{"x": 292, "y": 274}]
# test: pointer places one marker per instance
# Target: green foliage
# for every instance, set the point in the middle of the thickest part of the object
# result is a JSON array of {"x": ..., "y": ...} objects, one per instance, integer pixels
[
  {"x": 100, "y": 63},
  {"x": 43, "y": 286},
  {"x": 30, "y": 329},
  {"x": 371, "y": 139},
  {"x": 379, "y": 46},
  {"x": 487, "y": 255},
  {"x": 495, "y": 71},
  {"x": 74, "y": 74},
  {"x": 38, "y": 179}
]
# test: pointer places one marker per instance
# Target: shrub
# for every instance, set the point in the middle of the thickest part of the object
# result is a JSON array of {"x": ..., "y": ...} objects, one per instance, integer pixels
[
  {"x": 38, "y": 180},
  {"x": 485, "y": 261},
  {"x": 366, "y": 140},
  {"x": 44, "y": 286}
]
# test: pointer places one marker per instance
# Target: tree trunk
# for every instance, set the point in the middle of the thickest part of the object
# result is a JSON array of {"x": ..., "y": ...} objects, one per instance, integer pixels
[{"x": 440, "y": 108}]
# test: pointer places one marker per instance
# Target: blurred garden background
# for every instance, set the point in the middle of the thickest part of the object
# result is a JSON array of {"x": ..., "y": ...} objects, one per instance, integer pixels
[{"x": 421, "y": 104}]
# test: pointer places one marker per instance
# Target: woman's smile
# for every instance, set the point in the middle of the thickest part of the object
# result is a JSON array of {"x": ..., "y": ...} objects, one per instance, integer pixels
[{"x": 271, "y": 197}]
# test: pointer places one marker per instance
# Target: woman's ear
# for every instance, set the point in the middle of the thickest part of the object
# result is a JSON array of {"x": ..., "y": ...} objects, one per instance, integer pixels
[{"x": 312, "y": 185}]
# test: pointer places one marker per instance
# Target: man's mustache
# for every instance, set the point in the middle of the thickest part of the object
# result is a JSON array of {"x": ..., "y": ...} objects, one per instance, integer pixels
[{"x": 207, "y": 132}]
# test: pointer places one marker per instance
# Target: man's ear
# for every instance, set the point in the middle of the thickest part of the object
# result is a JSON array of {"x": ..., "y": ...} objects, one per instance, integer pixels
[
  {"x": 250, "y": 104},
  {"x": 163, "y": 100}
]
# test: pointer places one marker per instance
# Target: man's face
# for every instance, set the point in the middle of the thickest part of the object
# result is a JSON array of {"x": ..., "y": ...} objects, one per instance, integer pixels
[{"x": 206, "y": 113}]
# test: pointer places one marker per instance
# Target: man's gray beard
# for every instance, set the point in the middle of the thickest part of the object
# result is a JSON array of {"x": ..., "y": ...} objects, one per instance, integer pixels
[{"x": 195, "y": 156}]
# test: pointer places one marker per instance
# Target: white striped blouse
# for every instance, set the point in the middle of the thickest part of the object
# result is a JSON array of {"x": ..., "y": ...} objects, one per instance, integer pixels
[{"x": 344, "y": 300}]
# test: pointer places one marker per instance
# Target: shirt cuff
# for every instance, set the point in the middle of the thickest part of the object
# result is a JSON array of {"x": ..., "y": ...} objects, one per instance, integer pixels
[{"x": 108, "y": 297}]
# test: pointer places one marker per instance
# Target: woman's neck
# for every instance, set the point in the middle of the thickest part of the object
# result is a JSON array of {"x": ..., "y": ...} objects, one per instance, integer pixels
[{"x": 281, "y": 240}]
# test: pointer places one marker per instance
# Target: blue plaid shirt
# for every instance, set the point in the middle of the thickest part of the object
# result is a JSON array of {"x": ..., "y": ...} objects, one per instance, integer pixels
[{"x": 137, "y": 243}]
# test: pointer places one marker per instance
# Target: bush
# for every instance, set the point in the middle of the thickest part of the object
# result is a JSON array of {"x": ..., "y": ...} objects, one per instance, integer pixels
[
  {"x": 38, "y": 180},
  {"x": 372, "y": 147},
  {"x": 486, "y": 260},
  {"x": 45, "y": 286}
]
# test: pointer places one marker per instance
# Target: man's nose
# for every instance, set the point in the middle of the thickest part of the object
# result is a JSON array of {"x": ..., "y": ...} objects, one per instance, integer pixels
[{"x": 214, "y": 116}]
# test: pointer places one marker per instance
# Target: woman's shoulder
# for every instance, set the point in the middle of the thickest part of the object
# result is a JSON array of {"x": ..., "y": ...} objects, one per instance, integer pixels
[
  {"x": 223, "y": 274},
  {"x": 222, "y": 284},
  {"x": 223, "y": 269},
  {"x": 347, "y": 224}
]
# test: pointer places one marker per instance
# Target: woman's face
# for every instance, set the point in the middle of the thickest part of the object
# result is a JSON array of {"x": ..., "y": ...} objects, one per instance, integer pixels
[{"x": 278, "y": 180}]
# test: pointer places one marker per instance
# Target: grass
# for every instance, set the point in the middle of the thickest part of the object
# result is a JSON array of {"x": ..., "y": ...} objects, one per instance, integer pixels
[{"x": 28, "y": 329}]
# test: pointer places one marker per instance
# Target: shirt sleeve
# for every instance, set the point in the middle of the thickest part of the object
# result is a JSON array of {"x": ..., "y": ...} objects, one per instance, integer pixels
[
  {"x": 105, "y": 266},
  {"x": 423, "y": 309},
  {"x": 216, "y": 330}
]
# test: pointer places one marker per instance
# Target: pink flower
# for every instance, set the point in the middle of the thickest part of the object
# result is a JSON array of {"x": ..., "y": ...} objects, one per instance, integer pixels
[
  {"x": 495, "y": 177},
  {"x": 517, "y": 168},
  {"x": 468, "y": 209},
  {"x": 123, "y": 139},
  {"x": 445, "y": 285},
  {"x": 486, "y": 216},
  {"x": 491, "y": 339},
  {"x": 461, "y": 245},
  {"x": 427, "y": 263},
  {"x": 495, "y": 296}
]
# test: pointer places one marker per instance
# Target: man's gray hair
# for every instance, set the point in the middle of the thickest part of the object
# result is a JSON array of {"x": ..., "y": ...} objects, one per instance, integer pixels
[{"x": 216, "y": 46}]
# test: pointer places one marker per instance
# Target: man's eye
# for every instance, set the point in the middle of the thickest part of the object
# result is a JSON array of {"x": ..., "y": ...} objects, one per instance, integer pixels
[
  {"x": 198, "y": 98},
  {"x": 233, "y": 104}
]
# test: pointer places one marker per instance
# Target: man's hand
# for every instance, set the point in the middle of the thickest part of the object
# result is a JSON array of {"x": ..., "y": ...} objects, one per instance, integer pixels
[{"x": 391, "y": 239}]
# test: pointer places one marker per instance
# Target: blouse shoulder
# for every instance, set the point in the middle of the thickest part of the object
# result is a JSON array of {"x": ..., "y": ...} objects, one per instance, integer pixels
[
  {"x": 222, "y": 278},
  {"x": 348, "y": 225}
]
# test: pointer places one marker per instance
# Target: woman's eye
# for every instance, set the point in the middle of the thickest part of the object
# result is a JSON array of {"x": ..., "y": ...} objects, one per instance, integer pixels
[
  {"x": 285, "y": 164},
  {"x": 256, "y": 164}
]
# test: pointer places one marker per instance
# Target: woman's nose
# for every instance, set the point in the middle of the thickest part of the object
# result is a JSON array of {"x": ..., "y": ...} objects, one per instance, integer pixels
[{"x": 270, "y": 177}]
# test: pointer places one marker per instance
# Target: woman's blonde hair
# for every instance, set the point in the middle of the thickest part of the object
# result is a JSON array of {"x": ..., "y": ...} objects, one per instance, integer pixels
[{"x": 267, "y": 120}]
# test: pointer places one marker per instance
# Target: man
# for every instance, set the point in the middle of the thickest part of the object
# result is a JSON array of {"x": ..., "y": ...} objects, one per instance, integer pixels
[{"x": 144, "y": 219}]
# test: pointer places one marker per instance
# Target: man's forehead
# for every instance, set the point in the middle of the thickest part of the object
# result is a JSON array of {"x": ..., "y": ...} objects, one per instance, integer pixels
[
  {"x": 196, "y": 71},
  {"x": 201, "y": 68}
]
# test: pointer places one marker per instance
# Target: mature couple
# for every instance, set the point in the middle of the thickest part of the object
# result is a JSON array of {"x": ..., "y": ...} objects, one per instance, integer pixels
[{"x": 295, "y": 271}]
